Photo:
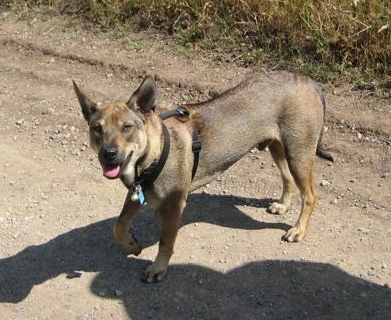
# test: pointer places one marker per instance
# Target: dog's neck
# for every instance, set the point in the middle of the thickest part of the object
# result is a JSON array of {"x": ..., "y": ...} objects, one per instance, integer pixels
[
  {"x": 156, "y": 153},
  {"x": 154, "y": 147}
]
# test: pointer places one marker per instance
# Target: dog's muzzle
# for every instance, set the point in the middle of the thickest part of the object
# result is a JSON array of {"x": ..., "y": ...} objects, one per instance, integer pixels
[{"x": 113, "y": 162}]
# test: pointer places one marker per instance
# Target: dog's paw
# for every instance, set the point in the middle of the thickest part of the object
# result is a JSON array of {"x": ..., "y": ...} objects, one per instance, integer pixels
[
  {"x": 132, "y": 248},
  {"x": 278, "y": 208},
  {"x": 126, "y": 240},
  {"x": 294, "y": 234},
  {"x": 153, "y": 273}
]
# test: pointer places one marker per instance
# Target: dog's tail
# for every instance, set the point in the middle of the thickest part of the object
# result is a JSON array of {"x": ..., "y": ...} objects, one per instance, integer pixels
[{"x": 320, "y": 151}]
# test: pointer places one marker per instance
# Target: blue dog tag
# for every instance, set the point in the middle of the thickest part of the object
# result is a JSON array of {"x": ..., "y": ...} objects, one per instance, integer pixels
[{"x": 140, "y": 195}]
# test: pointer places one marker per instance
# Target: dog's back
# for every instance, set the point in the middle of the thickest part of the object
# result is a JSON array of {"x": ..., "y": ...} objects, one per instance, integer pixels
[{"x": 267, "y": 107}]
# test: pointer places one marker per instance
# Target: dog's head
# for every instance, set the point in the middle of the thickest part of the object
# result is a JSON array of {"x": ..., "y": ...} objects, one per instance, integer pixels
[{"x": 117, "y": 130}]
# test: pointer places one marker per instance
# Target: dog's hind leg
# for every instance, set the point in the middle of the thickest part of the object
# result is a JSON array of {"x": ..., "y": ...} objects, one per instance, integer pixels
[
  {"x": 278, "y": 153},
  {"x": 122, "y": 225},
  {"x": 170, "y": 220},
  {"x": 301, "y": 166}
]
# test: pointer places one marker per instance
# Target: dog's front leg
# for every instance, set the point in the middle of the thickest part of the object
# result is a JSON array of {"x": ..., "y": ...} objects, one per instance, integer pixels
[
  {"x": 122, "y": 225},
  {"x": 170, "y": 220}
]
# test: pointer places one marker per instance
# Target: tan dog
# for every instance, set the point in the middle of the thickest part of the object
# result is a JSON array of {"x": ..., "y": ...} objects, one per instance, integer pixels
[{"x": 280, "y": 110}]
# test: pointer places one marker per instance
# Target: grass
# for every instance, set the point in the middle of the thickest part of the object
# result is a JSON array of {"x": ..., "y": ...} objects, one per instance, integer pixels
[{"x": 330, "y": 40}]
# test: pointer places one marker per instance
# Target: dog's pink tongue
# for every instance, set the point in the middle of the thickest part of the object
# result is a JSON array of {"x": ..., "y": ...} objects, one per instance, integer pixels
[{"x": 111, "y": 172}]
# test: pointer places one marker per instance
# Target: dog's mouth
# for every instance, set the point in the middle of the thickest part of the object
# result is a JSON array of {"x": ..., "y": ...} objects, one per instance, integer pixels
[{"x": 113, "y": 171}]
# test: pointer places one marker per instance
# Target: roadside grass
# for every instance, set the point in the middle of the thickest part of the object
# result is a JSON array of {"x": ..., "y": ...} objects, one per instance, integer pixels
[{"x": 329, "y": 40}]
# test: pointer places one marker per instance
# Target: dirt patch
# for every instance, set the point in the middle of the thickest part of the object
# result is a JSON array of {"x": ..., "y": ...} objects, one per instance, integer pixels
[{"x": 58, "y": 258}]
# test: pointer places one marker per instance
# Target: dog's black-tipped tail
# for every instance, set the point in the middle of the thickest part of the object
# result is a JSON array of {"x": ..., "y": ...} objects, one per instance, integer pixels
[{"x": 320, "y": 152}]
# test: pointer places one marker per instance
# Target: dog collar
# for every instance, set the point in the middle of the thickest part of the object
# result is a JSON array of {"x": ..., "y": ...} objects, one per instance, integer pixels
[{"x": 148, "y": 176}]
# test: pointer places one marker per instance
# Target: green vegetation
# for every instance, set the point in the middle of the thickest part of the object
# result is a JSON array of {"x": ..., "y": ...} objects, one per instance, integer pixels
[{"x": 330, "y": 40}]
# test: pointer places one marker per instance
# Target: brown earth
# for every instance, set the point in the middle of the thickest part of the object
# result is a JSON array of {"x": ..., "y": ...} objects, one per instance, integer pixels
[{"x": 58, "y": 259}]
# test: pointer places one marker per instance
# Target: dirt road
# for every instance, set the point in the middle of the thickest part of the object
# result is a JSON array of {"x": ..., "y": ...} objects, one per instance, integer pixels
[{"x": 58, "y": 259}]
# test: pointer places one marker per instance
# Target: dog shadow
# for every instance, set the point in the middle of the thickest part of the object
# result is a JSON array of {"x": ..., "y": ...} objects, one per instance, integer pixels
[
  {"x": 221, "y": 210},
  {"x": 93, "y": 248},
  {"x": 270, "y": 289}
]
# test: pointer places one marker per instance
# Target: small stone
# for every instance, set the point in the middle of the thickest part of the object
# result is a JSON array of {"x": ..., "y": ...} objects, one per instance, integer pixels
[
  {"x": 371, "y": 272},
  {"x": 101, "y": 294},
  {"x": 325, "y": 183},
  {"x": 73, "y": 275},
  {"x": 118, "y": 293}
]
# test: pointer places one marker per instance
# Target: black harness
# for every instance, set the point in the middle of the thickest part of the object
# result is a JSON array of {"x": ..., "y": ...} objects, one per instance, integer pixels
[{"x": 148, "y": 176}]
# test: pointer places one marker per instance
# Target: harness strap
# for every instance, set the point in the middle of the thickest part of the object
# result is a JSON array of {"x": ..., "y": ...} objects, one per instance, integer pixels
[
  {"x": 148, "y": 177},
  {"x": 178, "y": 112},
  {"x": 196, "y": 145},
  {"x": 196, "y": 148}
]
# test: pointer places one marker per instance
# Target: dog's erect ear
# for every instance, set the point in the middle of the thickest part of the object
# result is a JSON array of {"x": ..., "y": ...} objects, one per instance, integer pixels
[
  {"x": 88, "y": 107},
  {"x": 143, "y": 99}
]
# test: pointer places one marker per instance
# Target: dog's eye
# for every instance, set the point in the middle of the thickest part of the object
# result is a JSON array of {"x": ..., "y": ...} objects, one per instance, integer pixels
[
  {"x": 127, "y": 127},
  {"x": 97, "y": 128}
]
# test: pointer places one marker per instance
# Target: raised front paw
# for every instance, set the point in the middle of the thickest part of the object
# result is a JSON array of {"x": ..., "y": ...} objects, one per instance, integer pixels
[
  {"x": 126, "y": 240},
  {"x": 132, "y": 247},
  {"x": 154, "y": 273},
  {"x": 294, "y": 234}
]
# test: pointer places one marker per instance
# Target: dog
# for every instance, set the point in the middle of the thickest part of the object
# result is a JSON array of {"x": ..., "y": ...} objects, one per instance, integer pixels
[{"x": 161, "y": 158}]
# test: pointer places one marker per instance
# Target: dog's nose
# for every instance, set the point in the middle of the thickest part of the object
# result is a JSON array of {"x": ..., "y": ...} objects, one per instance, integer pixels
[{"x": 110, "y": 153}]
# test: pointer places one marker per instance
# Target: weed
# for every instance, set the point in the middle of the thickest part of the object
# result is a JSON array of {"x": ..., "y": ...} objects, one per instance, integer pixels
[{"x": 326, "y": 39}]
